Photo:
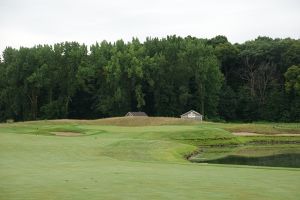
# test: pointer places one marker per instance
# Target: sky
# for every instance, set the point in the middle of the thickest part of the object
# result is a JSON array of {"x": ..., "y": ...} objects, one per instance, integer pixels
[{"x": 31, "y": 22}]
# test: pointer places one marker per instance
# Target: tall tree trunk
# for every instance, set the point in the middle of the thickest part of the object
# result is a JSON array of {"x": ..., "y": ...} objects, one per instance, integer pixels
[
  {"x": 202, "y": 98},
  {"x": 33, "y": 104},
  {"x": 67, "y": 106},
  {"x": 50, "y": 95}
]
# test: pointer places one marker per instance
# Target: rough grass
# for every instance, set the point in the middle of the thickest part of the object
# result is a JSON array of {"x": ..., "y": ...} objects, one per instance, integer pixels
[
  {"x": 110, "y": 161},
  {"x": 124, "y": 121},
  {"x": 263, "y": 128}
]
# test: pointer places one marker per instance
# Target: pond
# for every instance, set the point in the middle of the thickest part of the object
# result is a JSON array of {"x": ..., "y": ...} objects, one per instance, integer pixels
[{"x": 257, "y": 155}]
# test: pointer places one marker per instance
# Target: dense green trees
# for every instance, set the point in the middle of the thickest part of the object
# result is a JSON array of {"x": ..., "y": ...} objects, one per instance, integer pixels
[
  {"x": 292, "y": 86},
  {"x": 256, "y": 80}
]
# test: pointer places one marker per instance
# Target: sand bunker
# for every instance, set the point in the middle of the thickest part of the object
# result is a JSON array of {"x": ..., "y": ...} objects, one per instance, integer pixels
[
  {"x": 245, "y": 133},
  {"x": 67, "y": 134}
]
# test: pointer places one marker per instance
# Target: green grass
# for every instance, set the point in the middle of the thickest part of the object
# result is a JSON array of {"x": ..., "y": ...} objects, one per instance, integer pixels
[
  {"x": 113, "y": 161},
  {"x": 264, "y": 128}
]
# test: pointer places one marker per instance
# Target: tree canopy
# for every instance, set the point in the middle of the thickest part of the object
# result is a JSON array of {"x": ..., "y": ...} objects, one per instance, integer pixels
[{"x": 256, "y": 80}]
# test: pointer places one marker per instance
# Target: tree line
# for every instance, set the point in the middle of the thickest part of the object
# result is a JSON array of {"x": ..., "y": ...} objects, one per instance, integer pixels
[{"x": 255, "y": 80}]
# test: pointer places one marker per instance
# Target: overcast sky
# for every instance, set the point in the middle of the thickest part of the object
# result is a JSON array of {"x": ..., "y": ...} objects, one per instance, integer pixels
[{"x": 30, "y": 22}]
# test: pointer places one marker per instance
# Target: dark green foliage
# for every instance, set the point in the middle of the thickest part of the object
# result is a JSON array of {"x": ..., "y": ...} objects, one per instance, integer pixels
[
  {"x": 247, "y": 106},
  {"x": 228, "y": 103},
  {"x": 292, "y": 86},
  {"x": 163, "y": 77},
  {"x": 292, "y": 77}
]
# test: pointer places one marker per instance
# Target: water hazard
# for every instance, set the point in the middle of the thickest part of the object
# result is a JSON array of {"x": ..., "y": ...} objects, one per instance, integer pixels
[{"x": 273, "y": 156}]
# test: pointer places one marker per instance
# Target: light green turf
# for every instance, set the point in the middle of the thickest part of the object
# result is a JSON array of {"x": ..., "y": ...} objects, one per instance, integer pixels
[{"x": 110, "y": 162}]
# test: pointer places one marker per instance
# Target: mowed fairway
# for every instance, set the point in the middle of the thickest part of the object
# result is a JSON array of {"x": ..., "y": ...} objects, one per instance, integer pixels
[{"x": 121, "y": 162}]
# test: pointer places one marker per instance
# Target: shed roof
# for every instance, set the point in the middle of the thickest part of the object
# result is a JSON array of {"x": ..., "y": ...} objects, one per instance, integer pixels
[{"x": 190, "y": 112}]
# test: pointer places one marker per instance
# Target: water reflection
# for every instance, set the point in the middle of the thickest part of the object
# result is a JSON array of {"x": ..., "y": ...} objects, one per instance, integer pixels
[
  {"x": 273, "y": 156},
  {"x": 280, "y": 160}
]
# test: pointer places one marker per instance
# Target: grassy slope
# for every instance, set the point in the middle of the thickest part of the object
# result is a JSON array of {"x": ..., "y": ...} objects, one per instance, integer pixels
[
  {"x": 263, "y": 128},
  {"x": 210, "y": 153},
  {"x": 111, "y": 162}
]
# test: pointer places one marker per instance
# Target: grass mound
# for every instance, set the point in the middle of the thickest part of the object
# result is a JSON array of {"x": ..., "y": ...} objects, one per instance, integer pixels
[
  {"x": 143, "y": 121},
  {"x": 115, "y": 121},
  {"x": 262, "y": 128}
]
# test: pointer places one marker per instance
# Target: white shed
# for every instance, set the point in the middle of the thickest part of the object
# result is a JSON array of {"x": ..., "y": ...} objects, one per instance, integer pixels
[{"x": 192, "y": 115}]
